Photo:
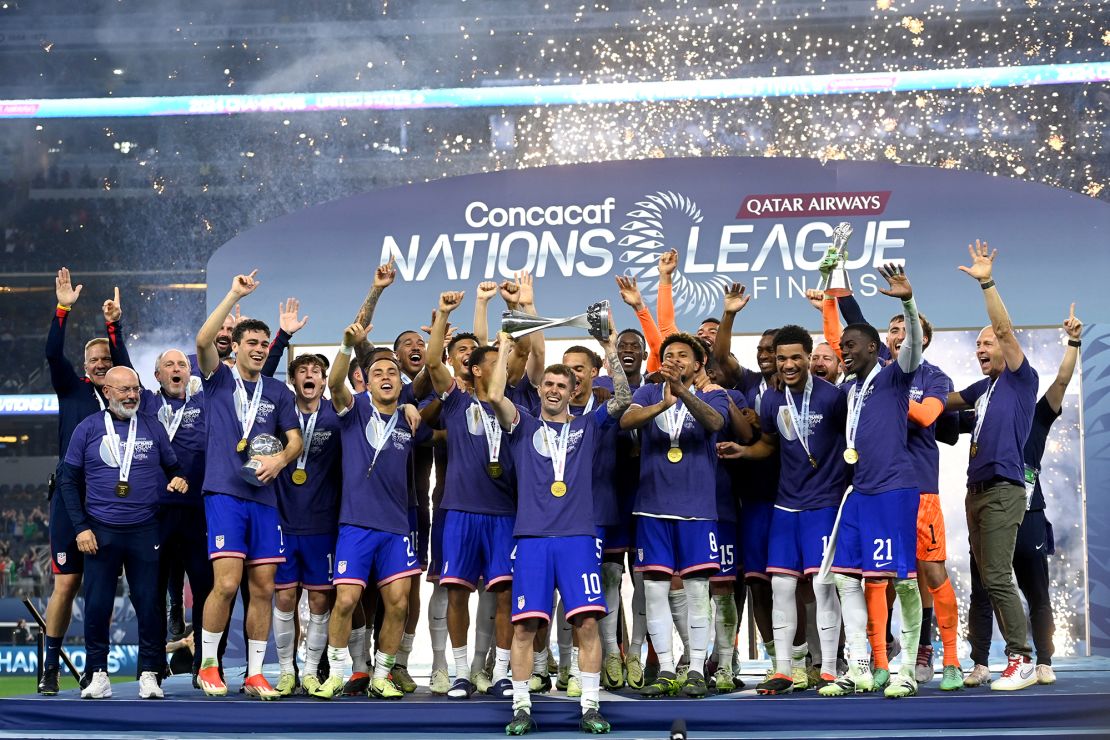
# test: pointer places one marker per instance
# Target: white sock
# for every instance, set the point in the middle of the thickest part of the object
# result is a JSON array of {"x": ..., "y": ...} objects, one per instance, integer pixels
[
  {"x": 680, "y": 617},
  {"x": 284, "y": 639},
  {"x": 853, "y": 607},
  {"x": 315, "y": 641},
  {"x": 256, "y": 653},
  {"x": 813, "y": 635},
  {"x": 462, "y": 665},
  {"x": 437, "y": 627},
  {"x": 724, "y": 628},
  {"x": 639, "y": 616},
  {"x": 659, "y": 624},
  {"x": 522, "y": 699},
  {"x": 338, "y": 660},
  {"x": 798, "y": 654},
  {"x": 565, "y": 637},
  {"x": 483, "y": 630},
  {"x": 784, "y": 619},
  {"x": 611, "y": 576},
  {"x": 406, "y": 648},
  {"x": 574, "y": 671},
  {"x": 539, "y": 662},
  {"x": 383, "y": 664},
  {"x": 500, "y": 664},
  {"x": 697, "y": 600},
  {"x": 357, "y": 647},
  {"x": 210, "y": 647},
  {"x": 591, "y": 688},
  {"x": 828, "y": 624}
]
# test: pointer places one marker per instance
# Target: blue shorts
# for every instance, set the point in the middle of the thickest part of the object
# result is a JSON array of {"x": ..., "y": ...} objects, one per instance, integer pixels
[
  {"x": 435, "y": 564},
  {"x": 361, "y": 553},
  {"x": 616, "y": 538},
  {"x": 676, "y": 546},
  {"x": 477, "y": 546},
  {"x": 755, "y": 530},
  {"x": 414, "y": 533},
  {"x": 238, "y": 528},
  {"x": 798, "y": 540},
  {"x": 726, "y": 548},
  {"x": 877, "y": 537},
  {"x": 570, "y": 564},
  {"x": 308, "y": 562},
  {"x": 65, "y": 558}
]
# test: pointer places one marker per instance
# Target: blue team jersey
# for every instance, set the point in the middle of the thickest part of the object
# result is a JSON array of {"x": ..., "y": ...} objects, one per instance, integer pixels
[
  {"x": 1009, "y": 417},
  {"x": 313, "y": 506},
  {"x": 882, "y": 433},
  {"x": 757, "y": 480},
  {"x": 685, "y": 489},
  {"x": 540, "y": 512},
  {"x": 726, "y": 469},
  {"x": 470, "y": 487},
  {"x": 606, "y": 510},
  {"x": 188, "y": 441},
  {"x": 929, "y": 381}
]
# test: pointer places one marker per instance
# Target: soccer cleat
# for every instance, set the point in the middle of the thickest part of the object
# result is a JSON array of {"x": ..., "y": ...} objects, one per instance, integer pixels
[
  {"x": 634, "y": 669},
  {"x": 612, "y": 672},
  {"x": 522, "y": 723},
  {"x": 258, "y": 687},
  {"x": 539, "y": 684},
  {"x": 503, "y": 689},
  {"x": 384, "y": 688},
  {"x": 440, "y": 683},
  {"x": 722, "y": 681},
  {"x": 287, "y": 684},
  {"x": 563, "y": 678},
  {"x": 979, "y": 675},
  {"x": 461, "y": 689},
  {"x": 148, "y": 686},
  {"x": 1045, "y": 674},
  {"x": 682, "y": 670},
  {"x": 357, "y": 685},
  {"x": 48, "y": 686},
  {"x": 481, "y": 682},
  {"x": 402, "y": 679},
  {"x": 881, "y": 677},
  {"x": 331, "y": 688},
  {"x": 924, "y": 670},
  {"x": 665, "y": 684},
  {"x": 778, "y": 683},
  {"x": 210, "y": 681},
  {"x": 552, "y": 665},
  {"x": 695, "y": 685},
  {"x": 901, "y": 685},
  {"x": 823, "y": 680},
  {"x": 858, "y": 680},
  {"x": 813, "y": 675},
  {"x": 593, "y": 723},
  {"x": 99, "y": 687},
  {"x": 175, "y": 623},
  {"x": 800, "y": 678},
  {"x": 1020, "y": 673},
  {"x": 952, "y": 679},
  {"x": 310, "y": 683},
  {"x": 574, "y": 687}
]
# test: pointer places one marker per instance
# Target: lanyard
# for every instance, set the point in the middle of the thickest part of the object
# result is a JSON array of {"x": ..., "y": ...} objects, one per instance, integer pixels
[
  {"x": 676, "y": 418},
  {"x": 306, "y": 434},
  {"x": 855, "y": 405},
  {"x": 244, "y": 410},
  {"x": 383, "y": 431},
  {"x": 99, "y": 399},
  {"x": 759, "y": 396},
  {"x": 171, "y": 419},
  {"x": 493, "y": 432},
  {"x": 801, "y": 421},
  {"x": 557, "y": 443},
  {"x": 981, "y": 411},
  {"x": 124, "y": 462}
]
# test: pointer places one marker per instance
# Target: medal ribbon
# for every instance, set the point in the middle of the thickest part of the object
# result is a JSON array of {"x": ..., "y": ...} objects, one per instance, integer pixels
[
  {"x": 306, "y": 433},
  {"x": 981, "y": 411},
  {"x": 676, "y": 419},
  {"x": 558, "y": 443},
  {"x": 759, "y": 396},
  {"x": 382, "y": 433},
  {"x": 124, "y": 462},
  {"x": 493, "y": 432},
  {"x": 171, "y": 419},
  {"x": 855, "y": 405},
  {"x": 246, "y": 412},
  {"x": 801, "y": 422}
]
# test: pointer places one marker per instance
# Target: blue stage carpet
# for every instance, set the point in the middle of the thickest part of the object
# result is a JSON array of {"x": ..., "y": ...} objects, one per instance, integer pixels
[{"x": 1076, "y": 705}]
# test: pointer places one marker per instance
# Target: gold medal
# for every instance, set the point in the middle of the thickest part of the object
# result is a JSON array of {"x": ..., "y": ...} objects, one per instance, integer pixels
[
  {"x": 242, "y": 446},
  {"x": 299, "y": 476},
  {"x": 674, "y": 454},
  {"x": 494, "y": 469},
  {"x": 122, "y": 489},
  {"x": 974, "y": 449},
  {"x": 851, "y": 456},
  {"x": 558, "y": 489}
]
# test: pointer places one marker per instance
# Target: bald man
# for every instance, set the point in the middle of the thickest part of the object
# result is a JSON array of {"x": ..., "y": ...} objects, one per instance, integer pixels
[{"x": 122, "y": 460}]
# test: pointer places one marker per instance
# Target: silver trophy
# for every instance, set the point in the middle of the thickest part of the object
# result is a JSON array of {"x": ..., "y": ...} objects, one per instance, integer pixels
[
  {"x": 596, "y": 321},
  {"x": 834, "y": 274},
  {"x": 263, "y": 445}
]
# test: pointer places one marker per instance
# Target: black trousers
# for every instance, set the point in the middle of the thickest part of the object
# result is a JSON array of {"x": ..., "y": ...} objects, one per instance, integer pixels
[
  {"x": 132, "y": 550},
  {"x": 1034, "y": 545},
  {"x": 182, "y": 532}
]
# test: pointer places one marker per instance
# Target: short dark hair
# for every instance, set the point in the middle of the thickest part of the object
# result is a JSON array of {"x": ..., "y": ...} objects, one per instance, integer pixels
[
  {"x": 578, "y": 349},
  {"x": 351, "y": 373},
  {"x": 304, "y": 360},
  {"x": 637, "y": 332},
  {"x": 397, "y": 341},
  {"x": 376, "y": 358},
  {"x": 479, "y": 354},
  {"x": 246, "y": 325},
  {"x": 768, "y": 333},
  {"x": 711, "y": 320},
  {"x": 559, "y": 368},
  {"x": 794, "y": 334},
  {"x": 867, "y": 330},
  {"x": 926, "y": 327},
  {"x": 689, "y": 340},
  {"x": 461, "y": 336}
]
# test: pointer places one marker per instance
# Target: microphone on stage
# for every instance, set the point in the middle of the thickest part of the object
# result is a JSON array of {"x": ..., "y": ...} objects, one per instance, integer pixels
[{"x": 678, "y": 729}]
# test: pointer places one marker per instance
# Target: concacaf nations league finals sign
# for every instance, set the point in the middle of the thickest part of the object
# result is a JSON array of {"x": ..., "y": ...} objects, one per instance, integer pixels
[{"x": 762, "y": 222}]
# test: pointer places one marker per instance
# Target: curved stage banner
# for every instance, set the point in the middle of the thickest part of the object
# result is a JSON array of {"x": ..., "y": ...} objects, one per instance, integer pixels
[{"x": 763, "y": 222}]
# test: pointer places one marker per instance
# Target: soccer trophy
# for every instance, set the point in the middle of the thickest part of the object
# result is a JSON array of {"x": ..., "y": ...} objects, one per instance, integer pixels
[
  {"x": 263, "y": 445},
  {"x": 834, "y": 274},
  {"x": 596, "y": 321}
]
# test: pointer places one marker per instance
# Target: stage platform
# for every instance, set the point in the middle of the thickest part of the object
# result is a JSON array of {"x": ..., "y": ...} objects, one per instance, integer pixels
[{"x": 1077, "y": 705}]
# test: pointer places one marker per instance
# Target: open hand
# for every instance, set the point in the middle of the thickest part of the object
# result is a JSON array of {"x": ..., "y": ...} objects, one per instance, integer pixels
[
  {"x": 630, "y": 292},
  {"x": 287, "y": 316},
  {"x": 736, "y": 297},
  {"x": 66, "y": 294},
  {"x": 899, "y": 284},
  {"x": 982, "y": 261}
]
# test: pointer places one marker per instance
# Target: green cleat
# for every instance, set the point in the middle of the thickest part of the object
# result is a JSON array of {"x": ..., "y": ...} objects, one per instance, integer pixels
[
  {"x": 952, "y": 679},
  {"x": 723, "y": 682},
  {"x": 695, "y": 685},
  {"x": 882, "y": 678},
  {"x": 612, "y": 672},
  {"x": 800, "y": 677},
  {"x": 682, "y": 670},
  {"x": 310, "y": 683},
  {"x": 329, "y": 689},
  {"x": 574, "y": 687},
  {"x": 563, "y": 678},
  {"x": 901, "y": 685},
  {"x": 481, "y": 681},
  {"x": 383, "y": 688},
  {"x": 539, "y": 683},
  {"x": 858, "y": 680},
  {"x": 593, "y": 723},
  {"x": 665, "y": 684},
  {"x": 402, "y": 679},
  {"x": 522, "y": 723},
  {"x": 634, "y": 669},
  {"x": 287, "y": 684}
]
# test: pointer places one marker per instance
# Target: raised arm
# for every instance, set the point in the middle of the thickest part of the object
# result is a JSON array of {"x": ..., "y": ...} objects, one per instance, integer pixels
[
  {"x": 630, "y": 294},
  {"x": 503, "y": 407},
  {"x": 518, "y": 360},
  {"x": 384, "y": 276},
  {"x": 437, "y": 371},
  {"x": 1055, "y": 393},
  {"x": 207, "y": 357},
  {"x": 486, "y": 291},
  {"x": 337, "y": 376},
  {"x": 982, "y": 262},
  {"x": 117, "y": 347},
  {"x": 289, "y": 323},
  {"x": 622, "y": 392},
  {"x": 538, "y": 350},
  {"x": 62, "y": 375},
  {"x": 909, "y": 356},
  {"x": 664, "y": 304},
  {"x": 734, "y": 301}
]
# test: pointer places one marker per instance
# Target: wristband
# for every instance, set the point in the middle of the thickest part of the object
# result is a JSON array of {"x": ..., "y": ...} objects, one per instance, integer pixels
[
  {"x": 988, "y": 284},
  {"x": 67, "y": 309},
  {"x": 344, "y": 349},
  {"x": 1075, "y": 342}
]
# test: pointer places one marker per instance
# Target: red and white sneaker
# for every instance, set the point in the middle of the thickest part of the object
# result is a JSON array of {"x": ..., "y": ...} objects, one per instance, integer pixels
[
  {"x": 258, "y": 687},
  {"x": 1020, "y": 673},
  {"x": 210, "y": 682}
]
